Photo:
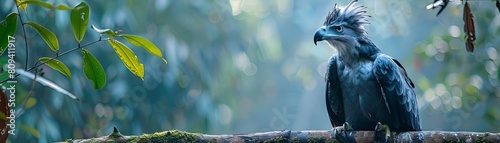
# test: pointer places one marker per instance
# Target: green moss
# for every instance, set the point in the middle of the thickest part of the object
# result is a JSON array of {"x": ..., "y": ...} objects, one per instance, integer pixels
[
  {"x": 483, "y": 138},
  {"x": 110, "y": 141},
  {"x": 212, "y": 141},
  {"x": 334, "y": 141},
  {"x": 169, "y": 136},
  {"x": 452, "y": 140},
  {"x": 480, "y": 139},
  {"x": 313, "y": 140},
  {"x": 278, "y": 139},
  {"x": 134, "y": 139}
]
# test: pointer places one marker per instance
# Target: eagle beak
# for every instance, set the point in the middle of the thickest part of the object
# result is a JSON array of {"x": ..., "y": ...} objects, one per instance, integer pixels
[{"x": 319, "y": 35}]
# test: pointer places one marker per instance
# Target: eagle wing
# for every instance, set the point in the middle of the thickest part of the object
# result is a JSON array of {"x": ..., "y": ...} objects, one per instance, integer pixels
[
  {"x": 397, "y": 90},
  {"x": 334, "y": 101}
]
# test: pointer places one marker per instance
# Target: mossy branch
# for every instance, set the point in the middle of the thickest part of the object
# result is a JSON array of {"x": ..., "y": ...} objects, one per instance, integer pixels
[{"x": 296, "y": 136}]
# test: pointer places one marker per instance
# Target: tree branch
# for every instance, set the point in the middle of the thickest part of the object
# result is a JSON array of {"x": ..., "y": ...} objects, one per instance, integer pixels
[{"x": 297, "y": 136}]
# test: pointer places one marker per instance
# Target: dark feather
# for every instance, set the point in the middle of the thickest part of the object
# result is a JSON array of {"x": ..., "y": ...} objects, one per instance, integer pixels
[
  {"x": 469, "y": 29},
  {"x": 438, "y": 3},
  {"x": 334, "y": 100},
  {"x": 443, "y": 6},
  {"x": 354, "y": 16},
  {"x": 498, "y": 5},
  {"x": 398, "y": 93},
  {"x": 403, "y": 71}
]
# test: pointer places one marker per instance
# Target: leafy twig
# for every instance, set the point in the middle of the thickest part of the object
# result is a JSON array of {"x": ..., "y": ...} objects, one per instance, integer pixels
[
  {"x": 24, "y": 34},
  {"x": 57, "y": 56}
]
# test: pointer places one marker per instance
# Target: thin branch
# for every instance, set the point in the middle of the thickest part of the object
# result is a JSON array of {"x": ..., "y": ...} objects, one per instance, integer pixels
[
  {"x": 57, "y": 56},
  {"x": 24, "y": 34},
  {"x": 66, "y": 52},
  {"x": 29, "y": 94}
]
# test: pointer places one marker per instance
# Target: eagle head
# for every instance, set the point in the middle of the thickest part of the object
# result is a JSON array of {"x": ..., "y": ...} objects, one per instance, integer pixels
[{"x": 343, "y": 25}]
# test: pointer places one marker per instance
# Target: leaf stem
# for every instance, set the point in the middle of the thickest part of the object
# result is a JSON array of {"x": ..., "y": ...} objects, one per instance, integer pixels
[
  {"x": 24, "y": 34},
  {"x": 57, "y": 56},
  {"x": 29, "y": 94}
]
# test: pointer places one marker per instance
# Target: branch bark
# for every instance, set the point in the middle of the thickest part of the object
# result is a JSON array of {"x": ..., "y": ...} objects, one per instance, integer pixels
[{"x": 297, "y": 136}]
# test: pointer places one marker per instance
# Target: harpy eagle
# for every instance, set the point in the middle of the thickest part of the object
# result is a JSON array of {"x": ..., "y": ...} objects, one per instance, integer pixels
[{"x": 365, "y": 88}]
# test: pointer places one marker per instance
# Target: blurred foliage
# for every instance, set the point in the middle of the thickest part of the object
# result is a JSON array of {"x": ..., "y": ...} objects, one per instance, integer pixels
[
  {"x": 250, "y": 65},
  {"x": 464, "y": 83}
]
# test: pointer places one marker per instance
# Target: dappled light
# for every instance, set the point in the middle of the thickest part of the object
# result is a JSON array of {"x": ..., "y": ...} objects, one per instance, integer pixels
[{"x": 236, "y": 66}]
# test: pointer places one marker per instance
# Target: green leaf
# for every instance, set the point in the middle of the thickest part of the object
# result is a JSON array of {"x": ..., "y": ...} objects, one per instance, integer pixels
[
  {"x": 37, "y": 2},
  {"x": 110, "y": 33},
  {"x": 79, "y": 20},
  {"x": 7, "y": 31},
  {"x": 30, "y": 103},
  {"x": 4, "y": 69},
  {"x": 128, "y": 58},
  {"x": 93, "y": 70},
  {"x": 56, "y": 65},
  {"x": 63, "y": 7},
  {"x": 30, "y": 130},
  {"x": 46, "y": 82},
  {"x": 23, "y": 6},
  {"x": 47, "y": 35},
  {"x": 144, "y": 43}
]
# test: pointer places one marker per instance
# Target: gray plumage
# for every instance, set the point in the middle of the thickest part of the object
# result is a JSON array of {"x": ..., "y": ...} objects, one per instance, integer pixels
[{"x": 363, "y": 85}]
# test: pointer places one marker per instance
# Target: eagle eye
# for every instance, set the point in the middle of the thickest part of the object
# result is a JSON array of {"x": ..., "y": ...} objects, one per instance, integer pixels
[{"x": 338, "y": 28}]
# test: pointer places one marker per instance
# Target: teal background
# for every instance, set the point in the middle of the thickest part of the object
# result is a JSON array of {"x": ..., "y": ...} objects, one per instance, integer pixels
[{"x": 242, "y": 66}]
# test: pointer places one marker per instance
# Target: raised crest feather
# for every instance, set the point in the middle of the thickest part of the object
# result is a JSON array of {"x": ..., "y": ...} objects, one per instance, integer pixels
[{"x": 351, "y": 14}]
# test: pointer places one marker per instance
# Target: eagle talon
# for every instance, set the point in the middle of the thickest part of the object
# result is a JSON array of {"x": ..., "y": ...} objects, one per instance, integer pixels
[
  {"x": 341, "y": 133},
  {"x": 337, "y": 131},
  {"x": 347, "y": 127},
  {"x": 382, "y": 137}
]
